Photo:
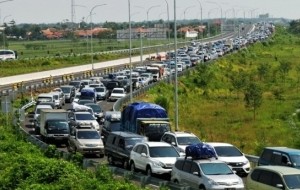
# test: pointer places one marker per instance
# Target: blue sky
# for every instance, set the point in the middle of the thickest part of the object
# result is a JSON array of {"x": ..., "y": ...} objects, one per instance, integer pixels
[{"x": 53, "y": 11}]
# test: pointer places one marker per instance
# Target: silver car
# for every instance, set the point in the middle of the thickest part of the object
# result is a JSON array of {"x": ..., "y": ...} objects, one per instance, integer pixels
[{"x": 205, "y": 174}]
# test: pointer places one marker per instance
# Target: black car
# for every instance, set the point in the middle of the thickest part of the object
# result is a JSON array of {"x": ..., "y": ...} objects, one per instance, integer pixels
[{"x": 118, "y": 147}]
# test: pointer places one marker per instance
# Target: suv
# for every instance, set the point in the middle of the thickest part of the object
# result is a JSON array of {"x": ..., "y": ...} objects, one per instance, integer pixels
[
  {"x": 232, "y": 156},
  {"x": 118, "y": 147},
  {"x": 153, "y": 157},
  {"x": 86, "y": 141},
  {"x": 180, "y": 140},
  {"x": 280, "y": 156},
  {"x": 273, "y": 177},
  {"x": 69, "y": 92},
  {"x": 205, "y": 174}
]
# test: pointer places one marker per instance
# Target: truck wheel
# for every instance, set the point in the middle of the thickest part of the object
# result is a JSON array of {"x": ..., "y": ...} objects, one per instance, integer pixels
[{"x": 202, "y": 187}]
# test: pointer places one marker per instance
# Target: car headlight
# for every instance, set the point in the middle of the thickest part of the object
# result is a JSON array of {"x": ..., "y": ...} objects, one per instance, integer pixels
[
  {"x": 158, "y": 164},
  {"x": 212, "y": 182},
  {"x": 246, "y": 162}
]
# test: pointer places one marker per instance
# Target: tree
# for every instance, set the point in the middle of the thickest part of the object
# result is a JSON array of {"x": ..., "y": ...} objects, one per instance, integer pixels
[
  {"x": 238, "y": 81},
  {"x": 253, "y": 97},
  {"x": 284, "y": 69},
  {"x": 263, "y": 70}
]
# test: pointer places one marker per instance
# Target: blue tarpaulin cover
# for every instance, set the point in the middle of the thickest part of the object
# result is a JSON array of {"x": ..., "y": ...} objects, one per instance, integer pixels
[
  {"x": 200, "y": 151},
  {"x": 140, "y": 110}
]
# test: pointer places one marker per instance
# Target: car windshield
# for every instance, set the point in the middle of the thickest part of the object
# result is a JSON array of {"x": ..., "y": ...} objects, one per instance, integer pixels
[
  {"x": 295, "y": 160},
  {"x": 96, "y": 108},
  {"x": 82, "y": 117},
  {"x": 75, "y": 83},
  {"x": 44, "y": 99},
  {"x": 163, "y": 152},
  {"x": 130, "y": 142},
  {"x": 57, "y": 127},
  {"x": 227, "y": 151},
  {"x": 88, "y": 135},
  {"x": 215, "y": 168},
  {"x": 66, "y": 90},
  {"x": 187, "y": 140},
  {"x": 114, "y": 125},
  {"x": 292, "y": 181},
  {"x": 118, "y": 91},
  {"x": 99, "y": 89}
]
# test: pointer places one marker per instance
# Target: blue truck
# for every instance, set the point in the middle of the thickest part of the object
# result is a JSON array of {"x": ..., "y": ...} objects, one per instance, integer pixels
[{"x": 147, "y": 119}]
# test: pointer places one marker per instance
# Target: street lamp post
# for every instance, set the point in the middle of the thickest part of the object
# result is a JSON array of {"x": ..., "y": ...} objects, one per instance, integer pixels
[
  {"x": 176, "y": 80},
  {"x": 91, "y": 13},
  {"x": 221, "y": 25},
  {"x": 4, "y": 30},
  {"x": 208, "y": 23},
  {"x": 130, "y": 44},
  {"x": 148, "y": 33},
  {"x": 184, "y": 12}
]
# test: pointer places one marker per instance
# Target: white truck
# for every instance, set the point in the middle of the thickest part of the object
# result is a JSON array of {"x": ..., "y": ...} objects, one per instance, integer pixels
[{"x": 53, "y": 126}]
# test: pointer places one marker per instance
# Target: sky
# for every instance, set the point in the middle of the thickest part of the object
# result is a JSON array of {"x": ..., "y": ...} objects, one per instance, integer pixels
[{"x": 58, "y": 11}]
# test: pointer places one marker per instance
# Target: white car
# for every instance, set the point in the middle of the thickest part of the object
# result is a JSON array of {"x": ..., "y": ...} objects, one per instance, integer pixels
[
  {"x": 205, "y": 174},
  {"x": 153, "y": 157},
  {"x": 84, "y": 118},
  {"x": 180, "y": 140},
  {"x": 233, "y": 157},
  {"x": 116, "y": 94}
]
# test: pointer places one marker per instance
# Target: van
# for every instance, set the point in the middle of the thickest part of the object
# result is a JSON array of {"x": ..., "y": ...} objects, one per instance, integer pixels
[
  {"x": 7, "y": 55},
  {"x": 281, "y": 156},
  {"x": 118, "y": 146},
  {"x": 45, "y": 97}
]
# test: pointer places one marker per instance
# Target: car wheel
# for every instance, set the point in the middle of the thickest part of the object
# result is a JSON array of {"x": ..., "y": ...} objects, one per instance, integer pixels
[
  {"x": 202, "y": 187},
  {"x": 149, "y": 171},
  {"x": 176, "y": 181},
  {"x": 110, "y": 160},
  {"x": 132, "y": 167},
  {"x": 126, "y": 165},
  {"x": 101, "y": 155}
]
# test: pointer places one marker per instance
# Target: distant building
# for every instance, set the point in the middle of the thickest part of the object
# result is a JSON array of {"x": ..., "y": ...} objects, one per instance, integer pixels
[
  {"x": 264, "y": 16},
  {"x": 157, "y": 33}
]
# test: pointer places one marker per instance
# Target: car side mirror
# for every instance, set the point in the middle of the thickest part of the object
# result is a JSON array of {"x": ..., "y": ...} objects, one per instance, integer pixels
[
  {"x": 279, "y": 186},
  {"x": 173, "y": 143},
  {"x": 196, "y": 174},
  {"x": 144, "y": 155}
]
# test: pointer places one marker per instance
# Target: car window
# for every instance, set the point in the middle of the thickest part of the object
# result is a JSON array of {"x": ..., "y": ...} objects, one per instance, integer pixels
[
  {"x": 227, "y": 151},
  {"x": 84, "y": 117},
  {"x": 187, "y": 140},
  {"x": 276, "y": 158},
  {"x": 215, "y": 169},
  {"x": 187, "y": 166},
  {"x": 195, "y": 168},
  {"x": 295, "y": 159},
  {"x": 255, "y": 174},
  {"x": 138, "y": 149},
  {"x": 292, "y": 181},
  {"x": 265, "y": 177},
  {"x": 163, "y": 152},
  {"x": 144, "y": 150},
  {"x": 179, "y": 164},
  {"x": 88, "y": 135},
  {"x": 276, "y": 179}
]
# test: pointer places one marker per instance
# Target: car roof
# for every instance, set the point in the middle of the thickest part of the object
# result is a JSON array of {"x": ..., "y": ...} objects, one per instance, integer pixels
[
  {"x": 218, "y": 144},
  {"x": 280, "y": 169},
  {"x": 284, "y": 149},
  {"x": 181, "y": 134},
  {"x": 157, "y": 144},
  {"x": 207, "y": 160},
  {"x": 126, "y": 134},
  {"x": 118, "y": 89}
]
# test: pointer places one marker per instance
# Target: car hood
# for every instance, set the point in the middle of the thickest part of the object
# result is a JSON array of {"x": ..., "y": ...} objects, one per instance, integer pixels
[
  {"x": 234, "y": 159},
  {"x": 166, "y": 160},
  {"x": 227, "y": 180},
  {"x": 117, "y": 95},
  {"x": 92, "y": 142}
]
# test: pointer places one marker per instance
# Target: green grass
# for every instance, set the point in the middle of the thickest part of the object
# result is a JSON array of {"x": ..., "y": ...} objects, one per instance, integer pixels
[{"x": 220, "y": 114}]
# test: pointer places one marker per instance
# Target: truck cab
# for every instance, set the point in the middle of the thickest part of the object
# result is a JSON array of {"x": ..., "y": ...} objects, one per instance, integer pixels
[{"x": 154, "y": 128}]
